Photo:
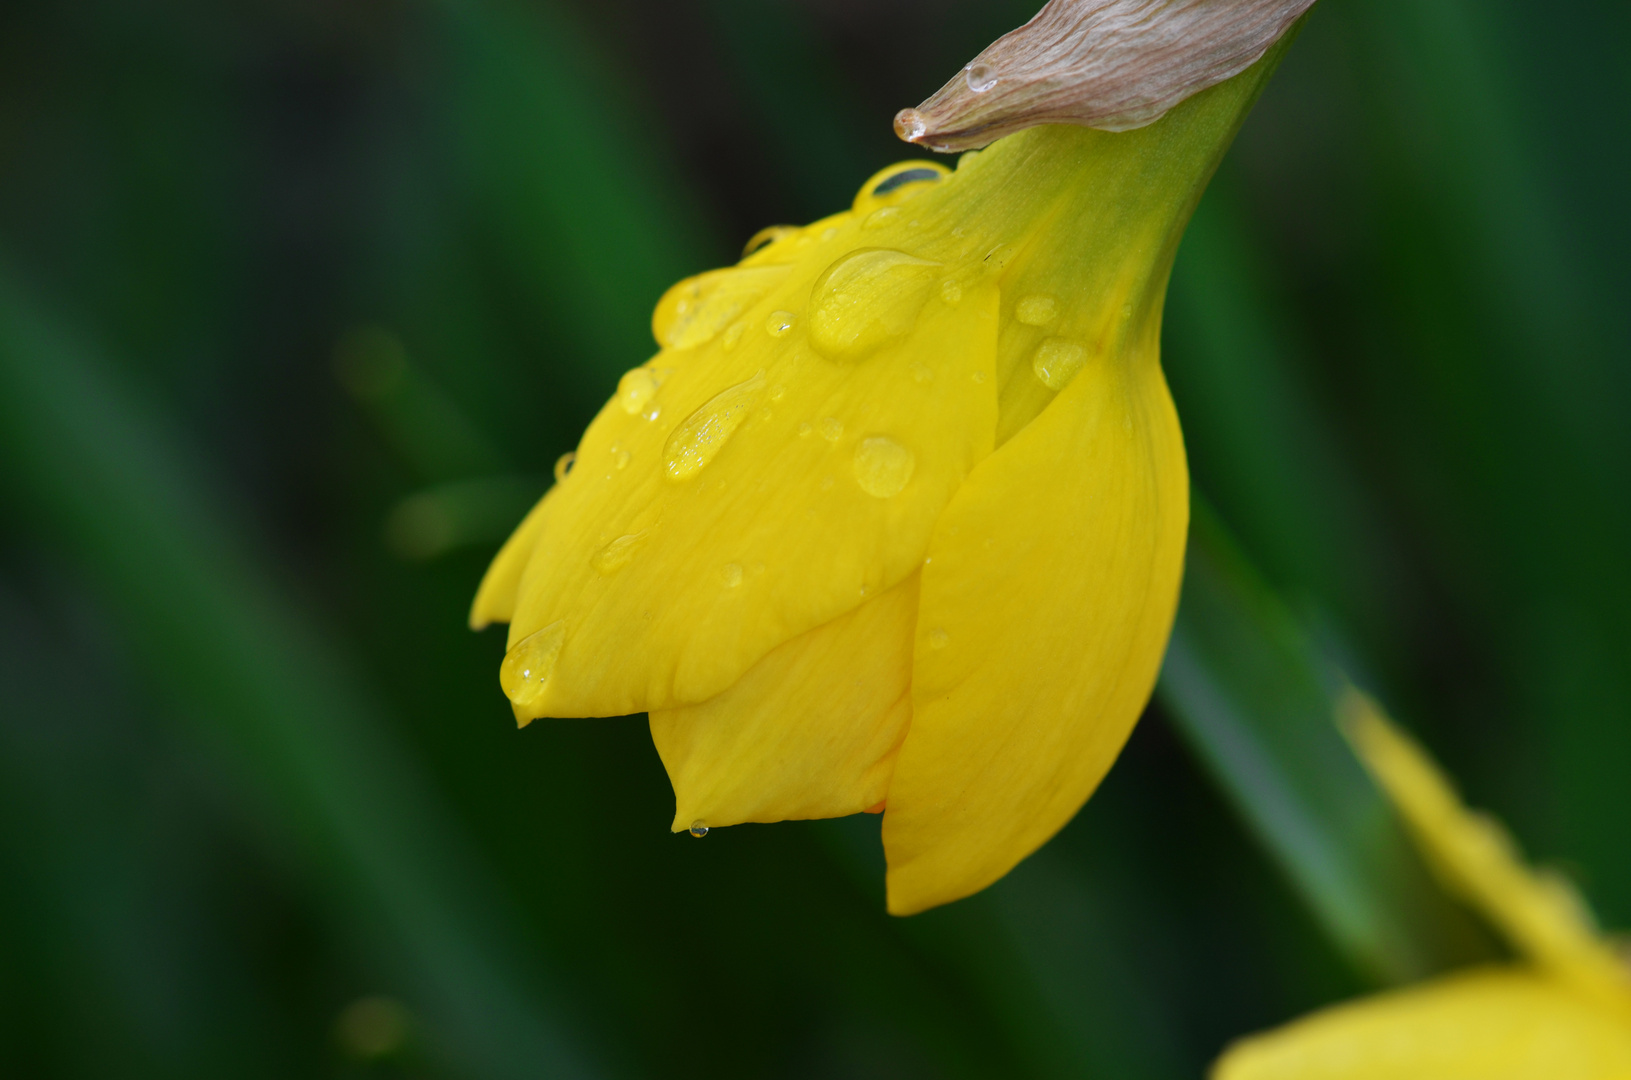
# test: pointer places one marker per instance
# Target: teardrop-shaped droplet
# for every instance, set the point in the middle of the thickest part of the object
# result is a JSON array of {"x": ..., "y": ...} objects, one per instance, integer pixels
[
  {"x": 980, "y": 77},
  {"x": 698, "y": 829},
  {"x": 1036, "y": 310},
  {"x": 1057, "y": 361},
  {"x": 563, "y": 465},
  {"x": 636, "y": 389},
  {"x": 528, "y": 666},
  {"x": 883, "y": 467},
  {"x": 697, "y": 309},
  {"x": 701, "y": 436},
  {"x": 868, "y": 299},
  {"x": 619, "y": 553}
]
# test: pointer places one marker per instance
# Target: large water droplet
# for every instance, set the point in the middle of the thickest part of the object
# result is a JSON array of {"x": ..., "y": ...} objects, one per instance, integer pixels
[
  {"x": 910, "y": 125},
  {"x": 636, "y": 389},
  {"x": 868, "y": 299},
  {"x": 914, "y": 173},
  {"x": 1036, "y": 310},
  {"x": 619, "y": 553},
  {"x": 527, "y": 667},
  {"x": 1057, "y": 361},
  {"x": 701, "y": 436},
  {"x": 697, "y": 309},
  {"x": 563, "y": 465},
  {"x": 883, "y": 467},
  {"x": 980, "y": 77},
  {"x": 698, "y": 829}
]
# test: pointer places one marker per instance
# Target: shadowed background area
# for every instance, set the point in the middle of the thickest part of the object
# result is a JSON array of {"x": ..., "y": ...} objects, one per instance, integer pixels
[{"x": 299, "y": 303}]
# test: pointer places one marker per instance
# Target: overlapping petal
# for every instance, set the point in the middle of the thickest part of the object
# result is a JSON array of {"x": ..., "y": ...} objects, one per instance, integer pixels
[{"x": 810, "y": 731}]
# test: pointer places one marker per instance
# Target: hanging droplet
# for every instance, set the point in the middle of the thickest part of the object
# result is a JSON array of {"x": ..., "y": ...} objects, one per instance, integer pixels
[
  {"x": 883, "y": 467},
  {"x": 938, "y": 638},
  {"x": 980, "y": 77},
  {"x": 779, "y": 323},
  {"x": 636, "y": 389},
  {"x": 1036, "y": 310},
  {"x": 698, "y": 309},
  {"x": 1057, "y": 361},
  {"x": 832, "y": 428},
  {"x": 730, "y": 575},
  {"x": 619, "y": 553},
  {"x": 910, "y": 125},
  {"x": 701, "y": 436},
  {"x": 528, "y": 666},
  {"x": 868, "y": 299},
  {"x": 563, "y": 465},
  {"x": 698, "y": 829}
]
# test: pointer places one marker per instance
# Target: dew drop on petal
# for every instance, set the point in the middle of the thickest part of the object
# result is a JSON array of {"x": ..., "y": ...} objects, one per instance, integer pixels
[
  {"x": 698, "y": 309},
  {"x": 980, "y": 77},
  {"x": 779, "y": 323},
  {"x": 805, "y": 429},
  {"x": 527, "y": 667},
  {"x": 730, "y": 575},
  {"x": 921, "y": 372},
  {"x": 700, "y": 436},
  {"x": 938, "y": 638},
  {"x": 619, "y": 553},
  {"x": 636, "y": 389},
  {"x": 1057, "y": 361},
  {"x": 698, "y": 829},
  {"x": 733, "y": 335},
  {"x": 883, "y": 467},
  {"x": 832, "y": 428},
  {"x": 620, "y": 457},
  {"x": 1036, "y": 310},
  {"x": 869, "y": 298},
  {"x": 563, "y": 465},
  {"x": 880, "y": 217},
  {"x": 951, "y": 292}
]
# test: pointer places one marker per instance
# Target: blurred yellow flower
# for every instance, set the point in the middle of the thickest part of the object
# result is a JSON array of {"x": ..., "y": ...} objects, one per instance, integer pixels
[
  {"x": 1563, "y": 1015},
  {"x": 896, "y": 515}
]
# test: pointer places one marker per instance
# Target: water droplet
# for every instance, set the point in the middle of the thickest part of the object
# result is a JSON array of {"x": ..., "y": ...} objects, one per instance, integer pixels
[
  {"x": 730, "y": 575},
  {"x": 765, "y": 415},
  {"x": 1057, "y": 361},
  {"x": 883, "y": 467},
  {"x": 880, "y": 217},
  {"x": 656, "y": 411},
  {"x": 700, "y": 436},
  {"x": 697, "y": 309},
  {"x": 979, "y": 376},
  {"x": 921, "y": 372},
  {"x": 779, "y": 323},
  {"x": 1036, "y": 310},
  {"x": 938, "y": 638},
  {"x": 826, "y": 483},
  {"x": 619, "y": 553},
  {"x": 832, "y": 428},
  {"x": 733, "y": 335},
  {"x": 777, "y": 393},
  {"x": 951, "y": 292},
  {"x": 868, "y": 299},
  {"x": 563, "y": 465},
  {"x": 980, "y": 77},
  {"x": 829, "y": 232},
  {"x": 528, "y": 666},
  {"x": 620, "y": 457},
  {"x": 997, "y": 258},
  {"x": 910, "y": 125},
  {"x": 767, "y": 236},
  {"x": 698, "y": 829},
  {"x": 1126, "y": 311},
  {"x": 636, "y": 389},
  {"x": 805, "y": 429},
  {"x": 914, "y": 173}
]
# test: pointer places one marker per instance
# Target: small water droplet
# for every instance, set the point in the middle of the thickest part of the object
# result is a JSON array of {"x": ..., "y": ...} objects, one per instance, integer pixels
[
  {"x": 730, "y": 575},
  {"x": 921, "y": 372},
  {"x": 656, "y": 411},
  {"x": 777, "y": 393},
  {"x": 619, "y": 553},
  {"x": 805, "y": 429},
  {"x": 765, "y": 415},
  {"x": 1057, "y": 360},
  {"x": 1036, "y": 310},
  {"x": 636, "y": 389},
  {"x": 700, "y": 436},
  {"x": 938, "y": 638},
  {"x": 698, "y": 829},
  {"x": 620, "y": 457},
  {"x": 698, "y": 309},
  {"x": 779, "y": 323},
  {"x": 951, "y": 292},
  {"x": 980, "y": 77},
  {"x": 883, "y": 467},
  {"x": 1126, "y": 311},
  {"x": 880, "y": 217},
  {"x": 563, "y": 465},
  {"x": 869, "y": 298},
  {"x": 910, "y": 125},
  {"x": 829, "y": 232},
  {"x": 864, "y": 592},
  {"x": 979, "y": 376},
  {"x": 528, "y": 666},
  {"x": 826, "y": 483},
  {"x": 832, "y": 428},
  {"x": 733, "y": 335},
  {"x": 767, "y": 236}
]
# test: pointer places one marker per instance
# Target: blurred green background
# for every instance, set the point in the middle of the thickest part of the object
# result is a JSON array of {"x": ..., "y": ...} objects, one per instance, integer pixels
[{"x": 300, "y": 301}]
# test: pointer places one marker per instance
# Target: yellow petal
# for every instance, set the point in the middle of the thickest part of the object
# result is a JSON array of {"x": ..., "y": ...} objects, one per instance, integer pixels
[
  {"x": 809, "y": 732},
  {"x": 1539, "y": 912},
  {"x": 1046, "y": 604},
  {"x": 730, "y": 499},
  {"x": 1483, "y": 1025},
  {"x": 495, "y": 598}
]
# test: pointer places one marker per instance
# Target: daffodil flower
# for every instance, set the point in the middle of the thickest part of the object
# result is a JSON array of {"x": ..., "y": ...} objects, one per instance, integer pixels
[
  {"x": 895, "y": 518},
  {"x": 1564, "y": 1014}
]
